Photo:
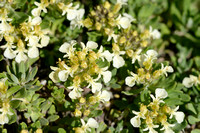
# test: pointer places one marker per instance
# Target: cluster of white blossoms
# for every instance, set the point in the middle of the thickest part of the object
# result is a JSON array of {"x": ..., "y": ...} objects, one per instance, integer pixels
[
  {"x": 73, "y": 14},
  {"x": 157, "y": 113},
  {"x": 81, "y": 66},
  {"x": 146, "y": 75},
  {"x": 5, "y": 111},
  {"x": 24, "y": 40},
  {"x": 191, "y": 80}
]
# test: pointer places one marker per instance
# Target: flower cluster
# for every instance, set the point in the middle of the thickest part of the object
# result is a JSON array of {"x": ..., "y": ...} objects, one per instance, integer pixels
[
  {"x": 146, "y": 74},
  {"x": 191, "y": 80},
  {"x": 81, "y": 67},
  {"x": 74, "y": 14},
  {"x": 157, "y": 113},
  {"x": 24, "y": 39}
]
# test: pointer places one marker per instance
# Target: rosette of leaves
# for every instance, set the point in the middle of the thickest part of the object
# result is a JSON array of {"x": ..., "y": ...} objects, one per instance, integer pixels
[{"x": 32, "y": 110}]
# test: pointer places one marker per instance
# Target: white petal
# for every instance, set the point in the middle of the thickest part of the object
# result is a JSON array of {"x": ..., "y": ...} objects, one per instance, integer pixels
[
  {"x": 91, "y": 45},
  {"x": 105, "y": 95},
  {"x": 130, "y": 81},
  {"x": 54, "y": 77},
  {"x": 179, "y": 116},
  {"x": 135, "y": 121},
  {"x": 20, "y": 57},
  {"x": 107, "y": 76},
  {"x": 161, "y": 93},
  {"x": 63, "y": 75},
  {"x": 45, "y": 41},
  {"x": 9, "y": 53},
  {"x": 152, "y": 53},
  {"x": 36, "y": 12},
  {"x": 118, "y": 61},
  {"x": 187, "y": 82},
  {"x": 64, "y": 48},
  {"x": 33, "y": 40},
  {"x": 92, "y": 123},
  {"x": 36, "y": 21},
  {"x": 71, "y": 14},
  {"x": 72, "y": 94},
  {"x": 124, "y": 22},
  {"x": 96, "y": 87},
  {"x": 33, "y": 52},
  {"x": 107, "y": 55}
]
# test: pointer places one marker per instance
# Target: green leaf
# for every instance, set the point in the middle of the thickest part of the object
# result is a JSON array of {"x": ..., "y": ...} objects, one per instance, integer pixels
[
  {"x": 31, "y": 74},
  {"x": 195, "y": 131},
  {"x": 44, "y": 122},
  {"x": 191, "y": 107},
  {"x": 45, "y": 106},
  {"x": 146, "y": 11},
  {"x": 61, "y": 130},
  {"x": 18, "y": 17},
  {"x": 12, "y": 90},
  {"x": 19, "y": 3},
  {"x": 132, "y": 92},
  {"x": 192, "y": 120},
  {"x": 35, "y": 116},
  {"x": 53, "y": 118},
  {"x": 95, "y": 113}
]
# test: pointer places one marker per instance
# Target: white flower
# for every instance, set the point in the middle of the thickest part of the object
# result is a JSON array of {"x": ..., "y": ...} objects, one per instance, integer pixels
[
  {"x": 179, "y": 116},
  {"x": 160, "y": 94},
  {"x": 118, "y": 61},
  {"x": 78, "y": 22},
  {"x": 4, "y": 27},
  {"x": 40, "y": 7},
  {"x": 103, "y": 96},
  {"x": 63, "y": 75},
  {"x": 92, "y": 123},
  {"x": 21, "y": 57},
  {"x": 155, "y": 34},
  {"x": 89, "y": 45},
  {"x": 130, "y": 80},
  {"x": 68, "y": 48},
  {"x": 36, "y": 20},
  {"x": 166, "y": 69},
  {"x": 44, "y": 40},
  {"x": 122, "y": 2},
  {"x": 76, "y": 92},
  {"x": 136, "y": 55},
  {"x": 106, "y": 74},
  {"x": 167, "y": 127},
  {"x": 33, "y": 52},
  {"x": 96, "y": 87},
  {"x": 151, "y": 54},
  {"x": 151, "y": 127},
  {"x": 135, "y": 121},
  {"x": 3, "y": 119},
  {"x": 9, "y": 53},
  {"x": 124, "y": 21},
  {"x": 190, "y": 81},
  {"x": 106, "y": 54}
]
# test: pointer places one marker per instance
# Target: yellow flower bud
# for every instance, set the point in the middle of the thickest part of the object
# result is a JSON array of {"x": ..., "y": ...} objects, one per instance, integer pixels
[
  {"x": 82, "y": 100},
  {"x": 78, "y": 130},
  {"x": 3, "y": 87},
  {"x": 86, "y": 112},
  {"x": 98, "y": 26},
  {"x": 39, "y": 130},
  {"x": 156, "y": 74},
  {"x": 106, "y": 5},
  {"x": 115, "y": 47},
  {"x": 117, "y": 7},
  {"x": 84, "y": 64},
  {"x": 122, "y": 39},
  {"x": 88, "y": 23},
  {"x": 144, "y": 43},
  {"x": 93, "y": 13},
  {"x": 110, "y": 14},
  {"x": 77, "y": 113},
  {"x": 92, "y": 100},
  {"x": 24, "y": 131},
  {"x": 135, "y": 33},
  {"x": 81, "y": 55},
  {"x": 148, "y": 76},
  {"x": 129, "y": 52}
]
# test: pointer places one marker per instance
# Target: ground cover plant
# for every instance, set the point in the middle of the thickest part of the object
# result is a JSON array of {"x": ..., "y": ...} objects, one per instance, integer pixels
[{"x": 83, "y": 66}]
